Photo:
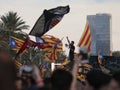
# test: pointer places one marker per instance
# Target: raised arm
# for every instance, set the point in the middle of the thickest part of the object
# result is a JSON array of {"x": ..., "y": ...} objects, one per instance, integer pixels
[
  {"x": 74, "y": 72},
  {"x": 68, "y": 40}
]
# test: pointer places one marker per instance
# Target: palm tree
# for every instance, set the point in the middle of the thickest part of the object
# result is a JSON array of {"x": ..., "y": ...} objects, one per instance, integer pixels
[{"x": 12, "y": 22}]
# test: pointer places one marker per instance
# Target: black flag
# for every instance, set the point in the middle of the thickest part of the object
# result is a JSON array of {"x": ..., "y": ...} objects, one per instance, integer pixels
[{"x": 48, "y": 20}]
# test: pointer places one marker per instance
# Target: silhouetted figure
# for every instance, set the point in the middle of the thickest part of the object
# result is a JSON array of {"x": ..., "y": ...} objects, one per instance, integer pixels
[
  {"x": 7, "y": 70},
  {"x": 97, "y": 80},
  {"x": 72, "y": 49},
  {"x": 61, "y": 80}
]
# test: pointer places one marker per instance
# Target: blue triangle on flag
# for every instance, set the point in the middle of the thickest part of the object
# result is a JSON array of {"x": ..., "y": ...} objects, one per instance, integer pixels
[{"x": 13, "y": 44}]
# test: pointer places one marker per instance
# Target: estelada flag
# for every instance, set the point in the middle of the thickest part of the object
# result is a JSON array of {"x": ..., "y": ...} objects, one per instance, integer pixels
[
  {"x": 53, "y": 52},
  {"x": 51, "y": 43},
  {"x": 15, "y": 43},
  {"x": 86, "y": 38},
  {"x": 48, "y": 20}
]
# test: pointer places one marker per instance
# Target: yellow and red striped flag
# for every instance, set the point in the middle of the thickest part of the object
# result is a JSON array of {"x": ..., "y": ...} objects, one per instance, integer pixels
[
  {"x": 18, "y": 64},
  {"x": 86, "y": 38},
  {"x": 18, "y": 42},
  {"x": 50, "y": 42},
  {"x": 52, "y": 46}
]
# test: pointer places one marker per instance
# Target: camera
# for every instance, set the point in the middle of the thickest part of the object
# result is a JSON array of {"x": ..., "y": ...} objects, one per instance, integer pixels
[{"x": 26, "y": 70}]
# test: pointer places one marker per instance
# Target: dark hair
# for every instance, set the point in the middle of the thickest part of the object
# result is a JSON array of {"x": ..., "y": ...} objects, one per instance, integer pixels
[
  {"x": 5, "y": 53},
  {"x": 7, "y": 70},
  {"x": 24, "y": 83},
  {"x": 61, "y": 80},
  {"x": 7, "y": 75},
  {"x": 97, "y": 79},
  {"x": 72, "y": 42},
  {"x": 116, "y": 77}
]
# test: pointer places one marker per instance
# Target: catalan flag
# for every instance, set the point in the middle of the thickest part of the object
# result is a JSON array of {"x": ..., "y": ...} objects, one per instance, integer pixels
[
  {"x": 86, "y": 38},
  {"x": 15, "y": 43},
  {"x": 51, "y": 55},
  {"x": 51, "y": 42},
  {"x": 27, "y": 44},
  {"x": 18, "y": 64},
  {"x": 52, "y": 45}
]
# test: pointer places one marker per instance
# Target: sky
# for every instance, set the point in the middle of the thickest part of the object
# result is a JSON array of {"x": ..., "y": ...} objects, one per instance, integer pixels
[{"x": 72, "y": 25}]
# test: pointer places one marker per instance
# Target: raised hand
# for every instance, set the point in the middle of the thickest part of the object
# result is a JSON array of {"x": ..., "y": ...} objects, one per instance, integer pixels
[{"x": 78, "y": 59}]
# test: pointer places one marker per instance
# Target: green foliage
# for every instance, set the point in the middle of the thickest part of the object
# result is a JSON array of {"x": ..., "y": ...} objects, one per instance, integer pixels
[{"x": 12, "y": 22}]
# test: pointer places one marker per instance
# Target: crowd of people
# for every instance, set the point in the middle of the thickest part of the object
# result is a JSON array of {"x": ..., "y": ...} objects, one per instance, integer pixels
[{"x": 28, "y": 77}]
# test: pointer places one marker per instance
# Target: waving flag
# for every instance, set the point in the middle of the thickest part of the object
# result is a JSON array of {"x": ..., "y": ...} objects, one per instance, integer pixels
[
  {"x": 15, "y": 43},
  {"x": 48, "y": 20},
  {"x": 18, "y": 64},
  {"x": 53, "y": 54},
  {"x": 52, "y": 42},
  {"x": 86, "y": 38},
  {"x": 57, "y": 44},
  {"x": 27, "y": 44},
  {"x": 40, "y": 40},
  {"x": 51, "y": 46}
]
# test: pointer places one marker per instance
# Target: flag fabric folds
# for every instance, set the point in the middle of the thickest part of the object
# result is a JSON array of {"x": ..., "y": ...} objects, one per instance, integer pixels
[
  {"x": 53, "y": 54},
  {"x": 40, "y": 40},
  {"x": 15, "y": 43},
  {"x": 51, "y": 42},
  {"x": 51, "y": 46},
  {"x": 18, "y": 64},
  {"x": 86, "y": 38},
  {"x": 57, "y": 44},
  {"x": 27, "y": 44},
  {"x": 48, "y": 20}
]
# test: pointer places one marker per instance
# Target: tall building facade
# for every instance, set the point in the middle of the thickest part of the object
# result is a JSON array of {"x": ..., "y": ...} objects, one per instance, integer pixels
[{"x": 100, "y": 27}]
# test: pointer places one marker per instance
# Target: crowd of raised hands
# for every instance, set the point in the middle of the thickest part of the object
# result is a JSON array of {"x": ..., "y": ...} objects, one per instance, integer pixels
[{"x": 28, "y": 77}]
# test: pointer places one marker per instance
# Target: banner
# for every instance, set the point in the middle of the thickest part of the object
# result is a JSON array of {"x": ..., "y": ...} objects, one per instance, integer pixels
[
  {"x": 86, "y": 38},
  {"x": 48, "y": 20}
]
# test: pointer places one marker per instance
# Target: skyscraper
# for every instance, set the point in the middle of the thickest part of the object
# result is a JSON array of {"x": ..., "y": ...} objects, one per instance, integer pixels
[{"x": 100, "y": 27}]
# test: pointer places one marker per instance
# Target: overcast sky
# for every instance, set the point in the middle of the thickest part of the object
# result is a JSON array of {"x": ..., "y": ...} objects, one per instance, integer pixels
[{"x": 73, "y": 23}]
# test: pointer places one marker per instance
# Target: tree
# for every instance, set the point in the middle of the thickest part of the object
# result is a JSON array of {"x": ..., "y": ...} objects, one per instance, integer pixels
[
  {"x": 11, "y": 25},
  {"x": 12, "y": 22}
]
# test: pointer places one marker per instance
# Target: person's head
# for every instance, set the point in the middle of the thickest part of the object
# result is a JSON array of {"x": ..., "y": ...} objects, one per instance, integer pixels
[
  {"x": 96, "y": 80},
  {"x": 72, "y": 42},
  {"x": 47, "y": 83},
  {"x": 4, "y": 54},
  {"x": 61, "y": 80},
  {"x": 7, "y": 70},
  {"x": 20, "y": 84},
  {"x": 7, "y": 75},
  {"x": 115, "y": 82}
]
